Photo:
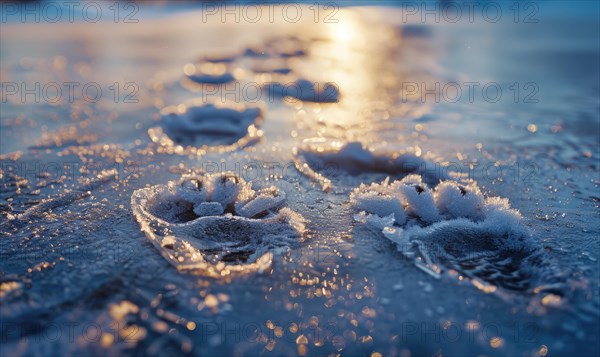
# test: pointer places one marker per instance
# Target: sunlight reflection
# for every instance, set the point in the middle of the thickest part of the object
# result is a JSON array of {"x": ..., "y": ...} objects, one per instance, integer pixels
[{"x": 367, "y": 82}]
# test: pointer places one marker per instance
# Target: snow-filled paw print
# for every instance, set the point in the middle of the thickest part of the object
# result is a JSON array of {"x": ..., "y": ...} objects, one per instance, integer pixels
[
  {"x": 217, "y": 224},
  {"x": 305, "y": 91},
  {"x": 452, "y": 226},
  {"x": 195, "y": 128},
  {"x": 338, "y": 165}
]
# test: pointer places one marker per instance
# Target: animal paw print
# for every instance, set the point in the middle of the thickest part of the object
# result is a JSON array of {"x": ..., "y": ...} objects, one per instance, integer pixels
[
  {"x": 337, "y": 164},
  {"x": 454, "y": 226},
  {"x": 217, "y": 224},
  {"x": 199, "y": 128}
]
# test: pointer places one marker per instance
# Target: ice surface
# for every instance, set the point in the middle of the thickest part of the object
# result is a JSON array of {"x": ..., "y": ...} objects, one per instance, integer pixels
[
  {"x": 217, "y": 224},
  {"x": 84, "y": 190},
  {"x": 346, "y": 276}
]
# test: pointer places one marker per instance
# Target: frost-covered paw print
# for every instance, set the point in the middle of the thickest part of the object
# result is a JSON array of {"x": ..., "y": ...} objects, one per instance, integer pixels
[
  {"x": 195, "y": 127},
  {"x": 228, "y": 193},
  {"x": 207, "y": 74},
  {"x": 452, "y": 226},
  {"x": 341, "y": 165},
  {"x": 217, "y": 224},
  {"x": 306, "y": 91}
]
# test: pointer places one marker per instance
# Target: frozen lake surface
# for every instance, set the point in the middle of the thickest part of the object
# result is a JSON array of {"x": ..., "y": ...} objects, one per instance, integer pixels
[{"x": 121, "y": 236}]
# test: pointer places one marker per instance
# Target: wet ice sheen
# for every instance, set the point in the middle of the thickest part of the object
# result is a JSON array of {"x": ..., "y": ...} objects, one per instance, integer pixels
[{"x": 217, "y": 224}]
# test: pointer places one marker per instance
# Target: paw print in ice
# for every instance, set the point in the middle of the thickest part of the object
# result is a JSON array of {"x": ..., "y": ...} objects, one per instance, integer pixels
[
  {"x": 305, "y": 91},
  {"x": 196, "y": 128},
  {"x": 452, "y": 226},
  {"x": 217, "y": 224},
  {"x": 338, "y": 165}
]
